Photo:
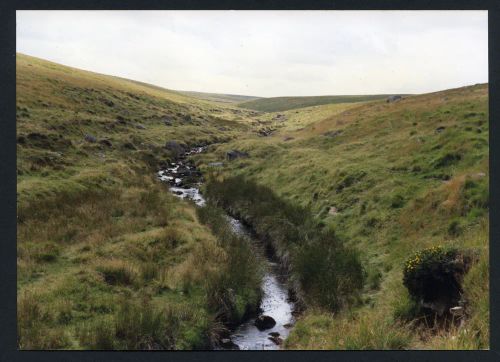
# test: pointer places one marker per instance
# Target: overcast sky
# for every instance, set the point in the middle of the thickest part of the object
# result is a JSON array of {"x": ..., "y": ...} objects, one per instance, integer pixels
[{"x": 268, "y": 53}]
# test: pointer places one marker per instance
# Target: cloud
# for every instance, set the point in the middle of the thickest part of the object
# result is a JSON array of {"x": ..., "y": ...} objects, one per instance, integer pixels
[{"x": 268, "y": 53}]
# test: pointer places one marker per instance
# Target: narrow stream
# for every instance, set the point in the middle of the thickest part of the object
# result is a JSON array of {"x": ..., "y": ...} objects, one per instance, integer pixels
[{"x": 185, "y": 181}]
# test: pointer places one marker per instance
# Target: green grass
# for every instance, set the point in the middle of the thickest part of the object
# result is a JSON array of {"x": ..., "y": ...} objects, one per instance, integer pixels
[
  {"x": 220, "y": 98},
  {"x": 398, "y": 182},
  {"x": 321, "y": 269},
  {"x": 107, "y": 258},
  {"x": 280, "y": 104},
  {"x": 98, "y": 236}
]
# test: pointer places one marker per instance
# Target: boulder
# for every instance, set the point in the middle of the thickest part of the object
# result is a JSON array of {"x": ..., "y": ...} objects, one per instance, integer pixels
[
  {"x": 234, "y": 154},
  {"x": 440, "y": 129},
  {"x": 175, "y": 147},
  {"x": 226, "y": 343},
  {"x": 333, "y": 211},
  {"x": 264, "y": 322},
  {"x": 332, "y": 134},
  {"x": 140, "y": 126},
  {"x": 457, "y": 311},
  {"x": 276, "y": 340},
  {"x": 392, "y": 99},
  {"x": 265, "y": 132},
  {"x": 90, "y": 138}
]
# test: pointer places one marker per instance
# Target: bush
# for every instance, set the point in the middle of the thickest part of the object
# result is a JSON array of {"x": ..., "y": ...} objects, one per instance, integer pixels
[
  {"x": 433, "y": 277},
  {"x": 329, "y": 274},
  {"x": 234, "y": 290},
  {"x": 454, "y": 228}
]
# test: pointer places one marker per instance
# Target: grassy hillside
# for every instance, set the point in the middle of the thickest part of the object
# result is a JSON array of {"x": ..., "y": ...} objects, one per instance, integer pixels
[
  {"x": 220, "y": 98},
  {"x": 107, "y": 258},
  {"x": 279, "y": 104},
  {"x": 390, "y": 179}
]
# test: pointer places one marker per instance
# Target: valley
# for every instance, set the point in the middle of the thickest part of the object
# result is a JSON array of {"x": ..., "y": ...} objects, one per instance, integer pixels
[{"x": 155, "y": 219}]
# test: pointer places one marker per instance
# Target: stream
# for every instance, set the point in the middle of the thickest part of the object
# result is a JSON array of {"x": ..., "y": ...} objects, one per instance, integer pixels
[{"x": 185, "y": 181}]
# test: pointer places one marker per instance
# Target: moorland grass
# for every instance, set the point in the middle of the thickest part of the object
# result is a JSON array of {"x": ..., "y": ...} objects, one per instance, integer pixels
[{"x": 399, "y": 178}]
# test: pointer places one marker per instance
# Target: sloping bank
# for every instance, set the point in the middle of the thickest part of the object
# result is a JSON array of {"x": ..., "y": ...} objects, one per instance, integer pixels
[{"x": 322, "y": 270}]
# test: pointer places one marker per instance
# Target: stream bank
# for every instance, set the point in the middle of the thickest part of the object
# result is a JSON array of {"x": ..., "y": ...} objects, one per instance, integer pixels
[{"x": 258, "y": 332}]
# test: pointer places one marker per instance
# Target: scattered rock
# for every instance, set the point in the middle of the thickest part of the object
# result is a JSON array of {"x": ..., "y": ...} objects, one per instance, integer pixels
[
  {"x": 440, "y": 129},
  {"x": 333, "y": 211},
  {"x": 90, "y": 138},
  {"x": 274, "y": 334},
  {"x": 265, "y": 132},
  {"x": 332, "y": 134},
  {"x": 276, "y": 340},
  {"x": 457, "y": 311},
  {"x": 264, "y": 322},
  {"x": 228, "y": 344},
  {"x": 175, "y": 147},
  {"x": 288, "y": 325},
  {"x": 167, "y": 120},
  {"x": 140, "y": 126},
  {"x": 480, "y": 174},
  {"x": 234, "y": 154},
  {"x": 392, "y": 99}
]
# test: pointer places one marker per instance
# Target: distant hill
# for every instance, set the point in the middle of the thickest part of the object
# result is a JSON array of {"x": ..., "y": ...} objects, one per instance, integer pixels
[
  {"x": 278, "y": 104},
  {"x": 222, "y": 98}
]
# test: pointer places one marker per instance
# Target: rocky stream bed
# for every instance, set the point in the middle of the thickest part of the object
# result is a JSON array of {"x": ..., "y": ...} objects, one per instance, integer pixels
[{"x": 271, "y": 326}]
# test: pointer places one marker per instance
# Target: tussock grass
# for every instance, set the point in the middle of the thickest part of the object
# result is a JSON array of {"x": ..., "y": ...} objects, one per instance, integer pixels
[
  {"x": 324, "y": 271},
  {"x": 402, "y": 177},
  {"x": 94, "y": 225}
]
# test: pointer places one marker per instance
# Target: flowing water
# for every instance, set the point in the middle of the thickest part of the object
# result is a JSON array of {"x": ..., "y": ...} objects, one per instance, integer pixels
[{"x": 185, "y": 181}]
